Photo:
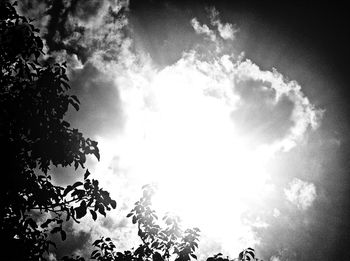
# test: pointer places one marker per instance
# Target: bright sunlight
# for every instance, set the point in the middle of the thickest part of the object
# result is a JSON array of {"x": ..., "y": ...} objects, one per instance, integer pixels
[{"x": 181, "y": 137}]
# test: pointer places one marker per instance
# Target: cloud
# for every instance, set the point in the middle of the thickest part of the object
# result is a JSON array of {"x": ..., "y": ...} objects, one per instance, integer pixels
[
  {"x": 191, "y": 119},
  {"x": 279, "y": 106},
  {"x": 285, "y": 254},
  {"x": 218, "y": 119},
  {"x": 185, "y": 122},
  {"x": 79, "y": 27},
  {"x": 203, "y": 29},
  {"x": 52, "y": 257},
  {"x": 35, "y": 9},
  {"x": 275, "y": 258},
  {"x": 227, "y": 31},
  {"x": 276, "y": 213},
  {"x": 219, "y": 35},
  {"x": 100, "y": 102},
  {"x": 124, "y": 234},
  {"x": 301, "y": 193}
]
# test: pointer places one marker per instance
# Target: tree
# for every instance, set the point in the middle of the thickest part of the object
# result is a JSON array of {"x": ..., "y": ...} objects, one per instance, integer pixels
[
  {"x": 34, "y": 136},
  {"x": 162, "y": 240}
]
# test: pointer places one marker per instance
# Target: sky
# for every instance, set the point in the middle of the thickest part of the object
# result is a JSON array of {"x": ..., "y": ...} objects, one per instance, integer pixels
[{"x": 236, "y": 111}]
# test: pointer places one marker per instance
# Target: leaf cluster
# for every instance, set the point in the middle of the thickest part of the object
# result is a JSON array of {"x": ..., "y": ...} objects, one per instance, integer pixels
[
  {"x": 34, "y": 99},
  {"x": 161, "y": 239}
]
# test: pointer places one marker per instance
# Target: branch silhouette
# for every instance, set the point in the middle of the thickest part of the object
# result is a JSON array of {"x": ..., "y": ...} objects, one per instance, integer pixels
[
  {"x": 34, "y": 137},
  {"x": 162, "y": 239}
]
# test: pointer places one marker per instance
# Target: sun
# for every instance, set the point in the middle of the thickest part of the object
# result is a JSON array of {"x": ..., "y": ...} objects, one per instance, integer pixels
[{"x": 187, "y": 144}]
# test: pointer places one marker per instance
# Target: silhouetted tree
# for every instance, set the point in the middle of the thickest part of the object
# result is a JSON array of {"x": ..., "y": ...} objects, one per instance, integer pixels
[
  {"x": 34, "y": 136},
  {"x": 162, "y": 240}
]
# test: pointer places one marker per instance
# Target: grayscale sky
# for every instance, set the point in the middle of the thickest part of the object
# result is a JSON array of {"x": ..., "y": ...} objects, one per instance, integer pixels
[{"x": 237, "y": 111}]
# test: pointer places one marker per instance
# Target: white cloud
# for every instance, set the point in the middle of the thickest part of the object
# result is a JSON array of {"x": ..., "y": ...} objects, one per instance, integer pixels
[
  {"x": 203, "y": 29},
  {"x": 301, "y": 193},
  {"x": 303, "y": 115},
  {"x": 226, "y": 31},
  {"x": 179, "y": 129},
  {"x": 219, "y": 34},
  {"x": 276, "y": 213}
]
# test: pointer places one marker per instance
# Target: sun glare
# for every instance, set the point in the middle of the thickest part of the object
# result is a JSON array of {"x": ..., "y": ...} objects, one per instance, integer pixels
[{"x": 185, "y": 142}]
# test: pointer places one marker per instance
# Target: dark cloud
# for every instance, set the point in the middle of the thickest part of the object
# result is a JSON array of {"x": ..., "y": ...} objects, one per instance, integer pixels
[
  {"x": 258, "y": 114},
  {"x": 298, "y": 235},
  {"x": 295, "y": 234},
  {"x": 86, "y": 9},
  {"x": 61, "y": 28},
  {"x": 100, "y": 110},
  {"x": 75, "y": 241},
  {"x": 66, "y": 25}
]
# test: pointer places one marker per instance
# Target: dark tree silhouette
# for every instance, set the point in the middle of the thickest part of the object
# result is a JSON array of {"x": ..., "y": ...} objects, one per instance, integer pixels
[
  {"x": 34, "y": 136},
  {"x": 162, "y": 240}
]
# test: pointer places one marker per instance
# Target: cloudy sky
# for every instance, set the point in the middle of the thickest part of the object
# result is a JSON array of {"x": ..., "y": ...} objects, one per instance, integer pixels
[{"x": 237, "y": 112}]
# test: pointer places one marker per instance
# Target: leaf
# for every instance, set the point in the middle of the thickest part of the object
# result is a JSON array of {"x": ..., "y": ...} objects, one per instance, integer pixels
[
  {"x": 32, "y": 223},
  {"x": 75, "y": 98},
  {"x": 94, "y": 252},
  {"x": 93, "y": 214},
  {"x": 113, "y": 204},
  {"x": 194, "y": 256},
  {"x": 81, "y": 210},
  {"x": 101, "y": 209},
  {"x": 68, "y": 189},
  {"x": 97, "y": 154},
  {"x": 64, "y": 76},
  {"x": 86, "y": 186},
  {"x": 75, "y": 105},
  {"x": 79, "y": 193},
  {"x": 96, "y": 242},
  {"x": 87, "y": 174},
  {"x": 95, "y": 182},
  {"x": 155, "y": 244},
  {"x": 134, "y": 219},
  {"x": 129, "y": 215},
  {"x": 65, "y": 124},
  {"x": 157, "y": 257},
  {"x": 46, "y": 223},
  {"x": 55, "y": 230},
  {"x": 65, "y": 84},
  {"x": 76, "y": 164}
]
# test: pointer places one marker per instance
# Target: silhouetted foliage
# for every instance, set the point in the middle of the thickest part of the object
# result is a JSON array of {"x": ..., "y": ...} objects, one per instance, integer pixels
[
  {"x": 162, "y": 239},
  {"x": 33, "y": 137}
]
